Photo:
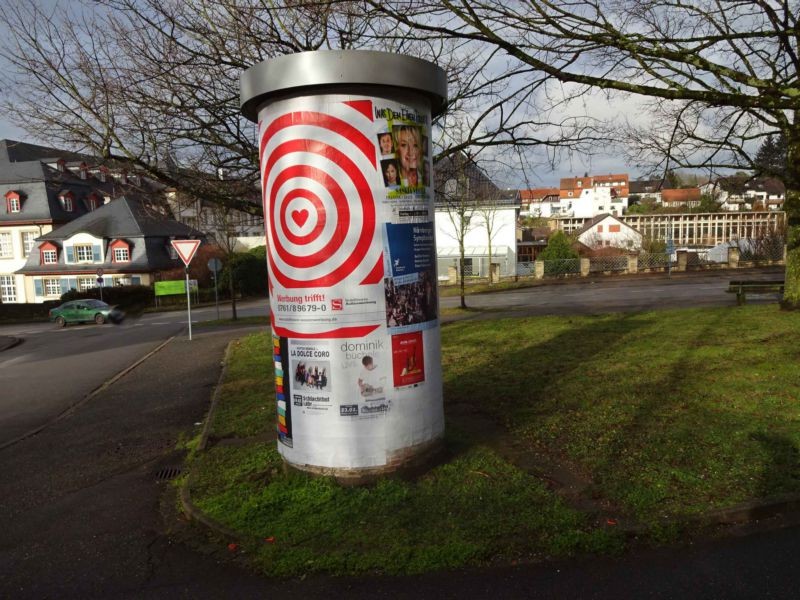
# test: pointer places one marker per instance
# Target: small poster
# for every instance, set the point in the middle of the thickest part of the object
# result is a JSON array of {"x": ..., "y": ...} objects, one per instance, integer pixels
[
  {"x": 311, "y": 375},
  {"x": 408, "y": 359}
]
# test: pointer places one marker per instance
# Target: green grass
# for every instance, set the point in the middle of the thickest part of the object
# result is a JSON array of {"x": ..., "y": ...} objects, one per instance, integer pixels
[
  {"x": 476, "y": 509},
  {"x": 671, "y": 413},
  {"x": 667, "y": 414},
  {"x": 484, "y": 287},
  {"x": 247, "y": 405},
  {"x": 261, "y": 320}
]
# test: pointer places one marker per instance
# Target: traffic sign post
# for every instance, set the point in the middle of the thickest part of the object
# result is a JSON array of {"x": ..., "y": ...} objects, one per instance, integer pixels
[
  {"x": 100, "y": 282},
  {"x": 214, "y": 265},
  {"x": 186, "y": 250}
]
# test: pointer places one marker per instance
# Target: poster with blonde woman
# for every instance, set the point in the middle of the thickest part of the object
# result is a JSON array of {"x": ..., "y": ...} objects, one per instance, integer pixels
[{"x": 410, "y": 154}]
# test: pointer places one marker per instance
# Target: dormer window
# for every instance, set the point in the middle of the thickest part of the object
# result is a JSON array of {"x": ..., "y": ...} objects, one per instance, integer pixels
[
  {"x": 61, "y": 165},
  {"x": 48, "y": 253},
  {"x": 92, "y": 201},
  {"x": 67, "y": 200},
  {"x": 121, "y": 251},
  {"x": 103, "y": 173},
  {"x": 122, "y": 255},
  {"x": 83, "y": 170},
  {"x": 13, "y": 201}
]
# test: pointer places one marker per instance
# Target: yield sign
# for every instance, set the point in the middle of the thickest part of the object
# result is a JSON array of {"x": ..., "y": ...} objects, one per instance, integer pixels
[{"x": 185, "y": 249}]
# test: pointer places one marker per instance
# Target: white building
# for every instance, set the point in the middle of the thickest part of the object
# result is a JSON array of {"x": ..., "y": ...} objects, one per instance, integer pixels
[
  {"x": 607, "y": 231},
  {"x": 503, "y": 221},
  {"x": 590, "y": 202},
  {"x": 126, "y": 239}
]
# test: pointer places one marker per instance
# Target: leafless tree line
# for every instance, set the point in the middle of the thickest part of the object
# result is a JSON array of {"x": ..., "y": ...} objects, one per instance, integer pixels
[{"x": 155, "y": 82}]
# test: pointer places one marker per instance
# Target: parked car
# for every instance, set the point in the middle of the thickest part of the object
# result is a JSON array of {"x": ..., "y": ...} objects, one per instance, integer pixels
[{"x": 85, "y": 311}]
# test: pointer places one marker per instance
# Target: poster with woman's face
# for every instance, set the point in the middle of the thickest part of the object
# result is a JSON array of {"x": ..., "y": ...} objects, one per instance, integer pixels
[{"x": 410, "y": 154}]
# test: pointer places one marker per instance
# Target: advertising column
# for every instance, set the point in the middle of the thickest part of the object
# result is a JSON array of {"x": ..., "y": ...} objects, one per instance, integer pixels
[{"x": 347, "y": 186}]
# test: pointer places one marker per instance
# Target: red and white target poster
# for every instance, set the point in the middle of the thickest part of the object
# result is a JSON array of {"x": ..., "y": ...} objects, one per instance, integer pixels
[{"x": 345, "y": 179}]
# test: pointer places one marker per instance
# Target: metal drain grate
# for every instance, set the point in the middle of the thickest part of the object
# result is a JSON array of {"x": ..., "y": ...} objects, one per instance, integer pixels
[{"x": 168, "y": 473}]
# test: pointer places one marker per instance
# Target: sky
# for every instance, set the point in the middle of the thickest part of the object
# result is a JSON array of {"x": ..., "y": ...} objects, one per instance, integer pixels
[{"x": 603, "y": 161}]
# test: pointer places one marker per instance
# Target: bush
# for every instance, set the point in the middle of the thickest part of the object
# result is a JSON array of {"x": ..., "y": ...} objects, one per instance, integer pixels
[
  {"x": 249, "y": 270},
  {"x": 13, "y": 313},
  {"x": 129, "y": 298},
  {"x": 559, "y": 247}
]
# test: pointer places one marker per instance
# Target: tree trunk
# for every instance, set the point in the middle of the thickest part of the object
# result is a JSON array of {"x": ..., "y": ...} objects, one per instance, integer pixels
[
  {"x": 490, "y": 261},
  {"x": 791, "y": 294},
  {"x": 232, "y": 291},
  {"x": 461, "y": 276}
]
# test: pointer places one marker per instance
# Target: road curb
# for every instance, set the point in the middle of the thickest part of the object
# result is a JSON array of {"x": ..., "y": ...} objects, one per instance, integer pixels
[
  {"x": 10, "y": 342},
  {"x": 195, "y": 514},
  {"x": 103, "y": 386},
  {"x": 215, "y": 398}
]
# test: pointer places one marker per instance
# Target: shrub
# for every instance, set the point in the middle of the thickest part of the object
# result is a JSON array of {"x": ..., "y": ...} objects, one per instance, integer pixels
[
  {"x": 128, "y": 297},
  {"x": 559, "y": 247},
  {"x": 249, "y": 270}
]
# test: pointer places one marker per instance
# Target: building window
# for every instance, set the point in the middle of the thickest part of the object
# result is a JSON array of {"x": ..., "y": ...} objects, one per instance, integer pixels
[
  {"x": 28, "y": 238},
  {"x": 6, "y": 250},
  {"x": 85, "y": 283},
  {"x": 14, "y": 204},
  {"x": 8, "y": 291},
  {"x": 613, "y": 228},
  {"x": 599, "y": 229},
  {"x": 49, "y": 257},
  {"x": 84, "y": 253},
  {"x": 66, "y": 202},
  {"x": 52, "y": 287},
  {"x": 121, "y": 255}
]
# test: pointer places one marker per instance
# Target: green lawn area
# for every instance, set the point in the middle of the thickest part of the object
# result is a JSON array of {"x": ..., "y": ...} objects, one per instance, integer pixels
[{"x": 666, "y": 415}]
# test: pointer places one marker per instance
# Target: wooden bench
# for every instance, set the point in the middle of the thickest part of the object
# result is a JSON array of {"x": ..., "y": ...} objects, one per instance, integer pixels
[{"x": 754, "y": 286}]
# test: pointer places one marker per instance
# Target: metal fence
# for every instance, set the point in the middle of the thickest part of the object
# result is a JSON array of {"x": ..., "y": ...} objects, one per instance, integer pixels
[
  {"x": 767, "y": 249},
  {"x": 525, "y": 269},
  {"x": 562, "y": 267},
  {"x": 654, "y": 261},
  {"x": 699, "y": 258},
  {"x": 603, "y": 264}
]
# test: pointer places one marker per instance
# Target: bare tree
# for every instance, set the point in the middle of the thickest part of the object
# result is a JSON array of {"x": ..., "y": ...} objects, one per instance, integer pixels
[
  {"x": 154, "y": 83},
  {"x": 487, "y": 209},
  {"x": 461, "y": 189},
  {"x": 721, "y": 75}
]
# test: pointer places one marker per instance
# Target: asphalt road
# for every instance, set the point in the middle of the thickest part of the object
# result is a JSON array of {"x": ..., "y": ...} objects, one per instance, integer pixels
[
  {"x": 617, "y": 294},
  {"x": 56, "y": 368}
]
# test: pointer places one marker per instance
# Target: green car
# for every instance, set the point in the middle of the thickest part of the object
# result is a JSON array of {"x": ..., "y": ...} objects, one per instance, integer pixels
[{"x": 84, "y": 311}]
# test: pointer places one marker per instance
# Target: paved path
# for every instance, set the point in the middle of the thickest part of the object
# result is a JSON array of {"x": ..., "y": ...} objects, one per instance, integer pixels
[{"x": 614, "y": 294}]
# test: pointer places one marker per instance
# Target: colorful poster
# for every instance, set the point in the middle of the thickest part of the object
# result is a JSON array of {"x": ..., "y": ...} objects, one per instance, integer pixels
[
  {"x": 346, "y": 183},
  {"x": 408, "y": 359}
]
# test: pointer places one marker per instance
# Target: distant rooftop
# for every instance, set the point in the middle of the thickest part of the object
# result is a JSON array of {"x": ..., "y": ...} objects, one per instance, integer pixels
[{"x": 12, "y": 151}]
